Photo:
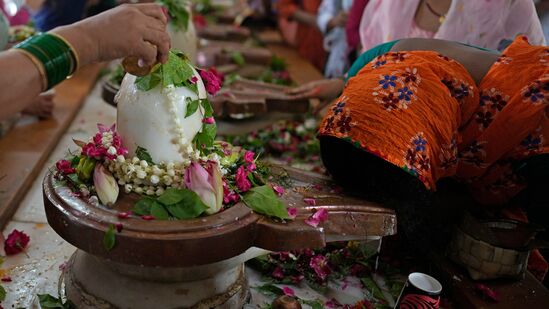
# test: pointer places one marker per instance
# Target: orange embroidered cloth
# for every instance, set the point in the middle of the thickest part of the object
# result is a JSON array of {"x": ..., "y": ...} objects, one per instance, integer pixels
[{"x": 422, "y": 111}]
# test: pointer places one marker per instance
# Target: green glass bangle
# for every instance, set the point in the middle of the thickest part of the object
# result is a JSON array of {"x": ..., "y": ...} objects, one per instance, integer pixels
[{"x": 58, "y": 59}]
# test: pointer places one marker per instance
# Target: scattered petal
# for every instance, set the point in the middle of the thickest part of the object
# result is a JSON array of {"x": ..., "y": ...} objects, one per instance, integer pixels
[
  {"x": 16, "y": 242},
  {"x": 147, "y": 218},
  {"x": 288, "y": 291},
  {"x": 124, "y": 215},
  {"x": 6, "y": 279},
  {"x": 278, "y": 273},
  {"x": 119, "y": 227},
  {"x": 279, "y": 190},
  {"x": 292, "y": 212},
  {"x": 487, "y": 292},
  {"x": 318, "y": 217},
  {"x": 62, "y": 266},
  {"x": 310, "y": 201}
]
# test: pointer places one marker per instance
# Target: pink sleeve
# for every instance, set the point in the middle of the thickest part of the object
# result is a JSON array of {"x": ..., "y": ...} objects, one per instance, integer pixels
[{"x": 353, "y": 23}]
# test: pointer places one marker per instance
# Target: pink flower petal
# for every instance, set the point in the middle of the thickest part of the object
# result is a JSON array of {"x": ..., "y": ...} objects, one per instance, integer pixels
[
  {"x": 147, "y": 218},
  {"x": 208, "y": 120},
  {"x": 310, "y": 201},
  {"x": 124, "y": 215},
  {"x": 487, "y": 292},
  {"x": 278, "y": 273},
  {"x": 279, "y": 190},
  {"x": 6, "y": 279},
  {"x": 292, "y": 212},
  {"x": 119, "y": 227},
  {"x": 288, "y": 291},
  {"x": 318, "y": 217}
]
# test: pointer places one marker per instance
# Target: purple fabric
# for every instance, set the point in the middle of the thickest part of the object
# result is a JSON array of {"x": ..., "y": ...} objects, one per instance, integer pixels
[{"x": 353, "y": 23}]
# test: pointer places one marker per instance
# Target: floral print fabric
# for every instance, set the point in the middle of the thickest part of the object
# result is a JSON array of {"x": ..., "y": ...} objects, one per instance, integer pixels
[{"x": 423, "y": 112}]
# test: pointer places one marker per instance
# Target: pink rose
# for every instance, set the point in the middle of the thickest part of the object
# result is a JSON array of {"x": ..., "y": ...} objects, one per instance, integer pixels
[{"x": 242, "y": 181}]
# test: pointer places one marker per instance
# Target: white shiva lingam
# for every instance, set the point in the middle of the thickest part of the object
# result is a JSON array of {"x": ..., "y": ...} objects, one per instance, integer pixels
[{"x": 195, "y": 263}]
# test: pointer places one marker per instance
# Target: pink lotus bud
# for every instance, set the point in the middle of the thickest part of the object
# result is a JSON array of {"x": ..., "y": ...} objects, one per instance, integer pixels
[{"x": 207, "y": 183}]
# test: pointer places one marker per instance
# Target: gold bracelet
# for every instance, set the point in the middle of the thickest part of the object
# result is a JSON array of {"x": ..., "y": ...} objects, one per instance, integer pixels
[
  {"x": 39, "y": 65},
  {"x": 72, "y": 49}
]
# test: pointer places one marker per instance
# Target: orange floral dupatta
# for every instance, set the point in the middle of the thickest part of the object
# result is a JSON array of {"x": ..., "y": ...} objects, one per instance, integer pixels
[
  {"x": 510, "y": 123},
  {"x": 421, "y": 111},
  {"x": 406, "y": 108}
]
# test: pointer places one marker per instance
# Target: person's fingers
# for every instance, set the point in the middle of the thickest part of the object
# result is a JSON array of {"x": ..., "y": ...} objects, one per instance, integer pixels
[
  {"x": 147, "y": 53},
  {"x": 155, "y": 24},
  {"x": 312, "y": 93},
  {"x": 161, "y": 40},
  {"x": 153, "y": 10},
  {"x": 299, "y": 89}
]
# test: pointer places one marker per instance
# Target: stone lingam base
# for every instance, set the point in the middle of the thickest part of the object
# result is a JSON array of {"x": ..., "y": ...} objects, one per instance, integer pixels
[{"x": 195, "y": 263}]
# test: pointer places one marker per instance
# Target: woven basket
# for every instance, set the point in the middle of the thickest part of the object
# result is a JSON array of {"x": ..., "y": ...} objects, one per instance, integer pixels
[{"x": 485, "y": 261}]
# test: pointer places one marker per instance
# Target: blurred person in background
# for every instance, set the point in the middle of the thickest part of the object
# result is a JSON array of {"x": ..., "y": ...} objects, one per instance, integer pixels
[
  {"x": 481, "y": 23},
  {"x": 489, "y": 25},
  {"x": 309, "y": 39},
  {"x": 331, "y": 20}
]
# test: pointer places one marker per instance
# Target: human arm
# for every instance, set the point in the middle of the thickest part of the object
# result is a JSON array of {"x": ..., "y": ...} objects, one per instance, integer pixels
[
  {"x": 132, "y": 30},
  {"x": 290, "y": 10},
  {"x": 324, "y": 89}
]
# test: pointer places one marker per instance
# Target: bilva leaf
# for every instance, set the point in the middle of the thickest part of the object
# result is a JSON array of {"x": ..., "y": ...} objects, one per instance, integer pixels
[{"x": 263, "y": 200}]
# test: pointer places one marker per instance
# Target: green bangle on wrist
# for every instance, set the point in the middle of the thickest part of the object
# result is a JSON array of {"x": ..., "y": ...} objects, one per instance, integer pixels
[{"x": 55, "y": 54}]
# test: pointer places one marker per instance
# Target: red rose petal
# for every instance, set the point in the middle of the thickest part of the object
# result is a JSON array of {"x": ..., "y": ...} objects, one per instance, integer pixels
[
  {"x": 6, "y": 279},
  {"x": 124, "y": 215},
  {"x": 310, "y": 201},
  {"x": 147, "y": 218},
  {"x": 119, "y": 227}
]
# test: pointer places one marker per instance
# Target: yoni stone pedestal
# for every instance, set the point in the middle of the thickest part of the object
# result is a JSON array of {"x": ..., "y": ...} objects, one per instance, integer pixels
[{"x": 194, "y": 263}]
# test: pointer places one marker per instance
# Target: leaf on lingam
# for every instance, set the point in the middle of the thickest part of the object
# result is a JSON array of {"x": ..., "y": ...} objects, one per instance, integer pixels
[
  {"x": 204, "y": 140},
  {"x": 192, "y": 107},
  {"x": 176, "y": 71},
  {"x": 142, "y": 154},
  {"x": 109, "y": 238},
  {"x": 263, "y": 200},
  {"x": 2, "y": 293}
]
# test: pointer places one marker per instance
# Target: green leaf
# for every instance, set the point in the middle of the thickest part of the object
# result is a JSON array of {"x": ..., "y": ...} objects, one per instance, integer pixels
[
  {"x": 189, "y": 207},
  {"x": 143, "y": 206},
  {"x": 205, "y": 139},
  {"x": 148, "y": 82},
  {"x": 178, "y": 12},
  {"x": 159, "y": 212},
  {"x": 315, "y": 304},
  {"x": 192, "y": 107},
  {"x": 172, "y": 196},
  {"x": 263, "y": 200},
  {"x": 269, "y": 290},
  {"x": 2, "y": 293},
  {"x": 109, "y": 239},
  {"x": 49, "y": 302},
  {"x": 371, "y": 286},
  {"x": 73, "y": 178},
  {"x": 208, "y": 110},
  {"x": 74, "y": 161},
  {"x": 142, "y": 154},
  {"x": 237, "y": 58},
  {"x": 176, "y": 70}
]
